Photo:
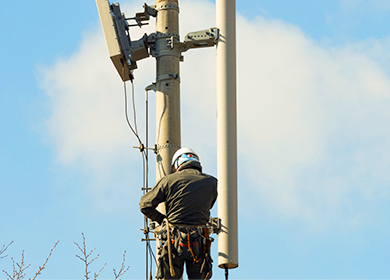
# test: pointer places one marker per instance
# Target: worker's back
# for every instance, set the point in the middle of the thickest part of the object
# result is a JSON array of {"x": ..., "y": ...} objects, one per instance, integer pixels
[{"x": 190, "y": 194}]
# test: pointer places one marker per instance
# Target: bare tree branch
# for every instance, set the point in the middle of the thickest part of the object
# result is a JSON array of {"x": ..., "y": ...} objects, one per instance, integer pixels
[
  {"x": 122, "y": 270},
  {"x": 3, "y": 249},
  {"x": 18, "y": 272},
  {"x": 18, "y": 269},
  {"x": 43, "y": 266},
  {"x": 85, "y": 257},
  {"x": 97, "y": 274}
]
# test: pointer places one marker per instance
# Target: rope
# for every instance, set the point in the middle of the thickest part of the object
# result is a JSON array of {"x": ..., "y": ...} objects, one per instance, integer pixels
[{"x": 172, "y": 271}]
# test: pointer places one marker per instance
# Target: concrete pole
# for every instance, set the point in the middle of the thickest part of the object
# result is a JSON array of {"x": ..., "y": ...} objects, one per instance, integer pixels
[
  {"x": 227, "y": 134},
  {"x": 168, "y": 87}
]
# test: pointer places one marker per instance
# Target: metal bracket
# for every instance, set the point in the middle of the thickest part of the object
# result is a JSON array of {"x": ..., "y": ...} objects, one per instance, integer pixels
[
  {"x": 143, "y": 148},
  {"x": 151, "y": 38},
  {"x": 152, "y": 86},
  {"x": 200, "y": 39},
  {"x": 144, "y": 16},
  {"x": 214, "y": 225},
  {"x": 151, "y": 42},
  {"x": 151, "y": 10}
]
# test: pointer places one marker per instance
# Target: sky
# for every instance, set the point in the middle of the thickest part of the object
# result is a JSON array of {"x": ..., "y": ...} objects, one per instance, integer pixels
[{"x": 313, "y": 94}]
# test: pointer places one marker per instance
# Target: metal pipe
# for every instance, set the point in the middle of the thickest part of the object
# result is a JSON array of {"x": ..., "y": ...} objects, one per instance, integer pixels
[{"x": 227, "y": 134}]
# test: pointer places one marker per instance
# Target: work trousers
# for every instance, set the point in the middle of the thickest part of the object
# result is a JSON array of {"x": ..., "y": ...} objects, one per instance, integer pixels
[
  {"x": 181, "y": 254},
  {"x": 178, "y": 261}
]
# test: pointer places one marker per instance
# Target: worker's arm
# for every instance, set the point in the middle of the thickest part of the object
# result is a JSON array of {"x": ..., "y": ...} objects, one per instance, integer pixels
[
  {"x": 215, "y": 193},
  {"x": 151, "y": 200}
]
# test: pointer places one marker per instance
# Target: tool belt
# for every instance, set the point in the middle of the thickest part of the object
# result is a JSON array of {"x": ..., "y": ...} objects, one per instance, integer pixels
[
  {"x": 185, "y": 237},
  {"x": 189, "y": 238}
]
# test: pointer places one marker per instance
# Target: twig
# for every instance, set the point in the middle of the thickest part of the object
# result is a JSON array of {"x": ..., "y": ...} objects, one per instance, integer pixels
[
  {"x": 18, "y": 269},
  {"x": 85, "y": 259},
  {"x": 122, "y": 270},
  {"x": 3, "y": 249},
  {"x": 43, "y": 266},
  {"x": 97, "y": 274}
]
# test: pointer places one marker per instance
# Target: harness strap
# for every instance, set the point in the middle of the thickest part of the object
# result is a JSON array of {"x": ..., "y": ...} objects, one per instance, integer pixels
[
  {"x": 183, "y": 244},
  {"x": 208, "y": 242},
  {"x": 187, "y": 245}
]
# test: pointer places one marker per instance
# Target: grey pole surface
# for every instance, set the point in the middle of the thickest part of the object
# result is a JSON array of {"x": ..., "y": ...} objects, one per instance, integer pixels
[
  {"x": 227, "y": 134},
  {"x": 168, "y": 87}
]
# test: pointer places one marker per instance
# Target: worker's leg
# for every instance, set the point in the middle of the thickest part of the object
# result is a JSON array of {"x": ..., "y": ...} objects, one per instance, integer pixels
[
  {"x": 193, "y": 270},
  {"x": 178, "y": 267}
]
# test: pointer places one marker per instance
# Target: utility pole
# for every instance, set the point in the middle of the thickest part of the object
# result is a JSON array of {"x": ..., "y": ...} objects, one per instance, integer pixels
[
  {"x": 166, "y": 47},
  {"x": 167, "y": 85},
  {"x": 227, "y": 134}
]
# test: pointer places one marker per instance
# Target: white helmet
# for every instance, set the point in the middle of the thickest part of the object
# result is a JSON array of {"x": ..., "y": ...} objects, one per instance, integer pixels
[{"x": 182, "y": 155}]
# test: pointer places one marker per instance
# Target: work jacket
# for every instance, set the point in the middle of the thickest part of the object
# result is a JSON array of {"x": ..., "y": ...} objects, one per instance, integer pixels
[{"x": 188, "y": 194}]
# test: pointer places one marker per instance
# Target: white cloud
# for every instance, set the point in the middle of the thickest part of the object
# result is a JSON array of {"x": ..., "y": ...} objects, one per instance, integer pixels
[
  {"x": 85, "y": 97},
  {"x": 309, "y": 114},
  {"x": 313, "y": 140}
]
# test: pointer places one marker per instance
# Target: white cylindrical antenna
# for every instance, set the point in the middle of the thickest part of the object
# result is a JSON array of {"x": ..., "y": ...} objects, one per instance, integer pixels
[{"x": 227, "y": 134}]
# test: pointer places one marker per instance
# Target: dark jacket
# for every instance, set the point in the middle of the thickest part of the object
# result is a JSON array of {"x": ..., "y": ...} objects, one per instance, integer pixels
[{"x": 188, "y": 194}]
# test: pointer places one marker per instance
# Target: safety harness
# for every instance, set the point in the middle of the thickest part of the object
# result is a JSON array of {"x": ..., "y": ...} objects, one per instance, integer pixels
[{"x": 175, "y": 235}]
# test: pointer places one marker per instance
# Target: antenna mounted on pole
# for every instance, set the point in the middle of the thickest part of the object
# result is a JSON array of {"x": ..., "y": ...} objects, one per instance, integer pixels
[{"x": 123, "y": 52}]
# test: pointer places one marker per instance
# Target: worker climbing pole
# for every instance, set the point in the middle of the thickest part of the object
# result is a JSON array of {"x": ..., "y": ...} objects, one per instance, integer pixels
[{"x": 166, "y": 47}]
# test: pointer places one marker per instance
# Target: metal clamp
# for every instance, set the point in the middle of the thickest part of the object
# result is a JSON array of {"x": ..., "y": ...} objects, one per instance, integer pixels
[{"x": 171, "y": 42}]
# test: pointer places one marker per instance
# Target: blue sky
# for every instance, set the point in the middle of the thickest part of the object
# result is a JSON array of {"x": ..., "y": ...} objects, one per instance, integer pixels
[{"x": 313, "y": 99}]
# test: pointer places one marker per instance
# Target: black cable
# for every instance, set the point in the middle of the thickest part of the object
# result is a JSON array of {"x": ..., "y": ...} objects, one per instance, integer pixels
[
  {"x": 147, "y": 139},
  {"x": 125, "y": 90},
  {"x": 134, "y": 111},
  {"x": 151, "y": 252},
  {"x": 226, "y": 272},
  {"x": 127, "y": 115}
]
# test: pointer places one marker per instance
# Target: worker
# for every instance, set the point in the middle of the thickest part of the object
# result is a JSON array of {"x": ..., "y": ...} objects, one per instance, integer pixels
[{"x": 189, "y": 195}]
